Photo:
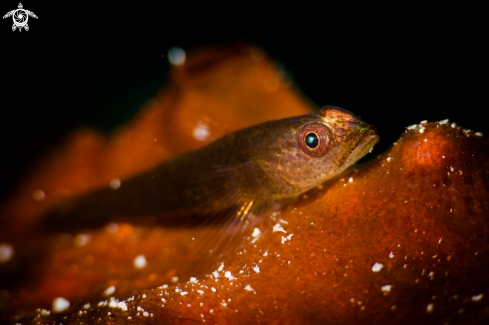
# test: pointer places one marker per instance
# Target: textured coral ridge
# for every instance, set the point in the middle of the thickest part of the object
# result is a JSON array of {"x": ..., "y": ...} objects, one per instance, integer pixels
[{"x": 402, "y": 239}]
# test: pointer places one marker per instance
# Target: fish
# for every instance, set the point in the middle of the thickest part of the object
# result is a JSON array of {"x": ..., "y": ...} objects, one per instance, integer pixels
[{"x": 231, "y": 181}]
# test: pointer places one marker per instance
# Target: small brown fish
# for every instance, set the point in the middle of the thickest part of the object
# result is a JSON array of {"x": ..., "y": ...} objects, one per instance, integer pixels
[{"x": 238, "y": 176}]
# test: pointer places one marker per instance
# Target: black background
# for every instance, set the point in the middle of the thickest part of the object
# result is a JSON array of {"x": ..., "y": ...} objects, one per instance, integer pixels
[{"x": 95, "y": 65}]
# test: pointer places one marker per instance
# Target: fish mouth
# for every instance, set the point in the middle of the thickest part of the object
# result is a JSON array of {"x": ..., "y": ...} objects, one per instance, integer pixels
[{"x": 364, "y": 146}]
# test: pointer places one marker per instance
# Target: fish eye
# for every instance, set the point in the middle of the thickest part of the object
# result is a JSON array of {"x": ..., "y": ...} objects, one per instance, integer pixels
[{"x": 313, "y": 139}]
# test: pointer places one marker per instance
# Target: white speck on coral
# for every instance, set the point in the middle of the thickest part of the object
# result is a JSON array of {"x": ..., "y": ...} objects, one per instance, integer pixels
[
  {"x": 386, "y": 288},
  {"x": 45, "y": 312},
  {"x": 109, "y": 291},
  {"x": 183, "y": 293},
  {"x": 228, "y": 275},
  {"x": 479, "y": 134},
  {"x": 412, "y": 127},
  {"x": 443, "y": 121},
  {"x": 453, "y": 125},
  {"x": 201, "y": 131},
  {"x": 425, "y": 140},
  {"x": 265, "y": 254},
  {"x": 284, "y": 239},
  {"x": 60, "y": 304},
  {"x": 256, "y": 269},
  {"x": 200, "y": 291},
  {"x": 213, "y": 289},
  {"x": 477, "y": 297},
  {"x": 423, "y": 122},
  {"x": 350, "y": 179},
  {"x": 174, "y": 279},
  {"x": 6, "y": 252},
  {"x": 249, "y": 288},
  {"x": 114, "y": 303},
  {"x": 221, "y": 267},
  {"x": 176, "y": 56},
  {"x": 391, "y": 255},
  {"x": 256, "y": 232},
  {"x": 377, "y": 267},
  {"x": 38, "y": 195},
  {"x": 278, "y": 227},
  {"x": 112, "y": 227},
  {"x": 115, "y": 183},
  {"x": 193, "y": 280},
  {"x": 140, "y": 262},
  {"x": 421, "y": 130},
  {"x": 81, "y": 240}
]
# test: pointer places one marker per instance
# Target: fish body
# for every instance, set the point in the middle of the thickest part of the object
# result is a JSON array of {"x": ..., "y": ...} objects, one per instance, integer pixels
[{"x": 235, "y": 178}]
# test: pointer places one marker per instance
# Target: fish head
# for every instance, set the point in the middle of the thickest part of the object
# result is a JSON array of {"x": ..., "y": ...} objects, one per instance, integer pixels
[{"x": 317, "y": 147}]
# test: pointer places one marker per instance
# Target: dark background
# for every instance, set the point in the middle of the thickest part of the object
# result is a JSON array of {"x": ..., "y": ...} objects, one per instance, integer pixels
[{"x": 92, "y": 65}]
